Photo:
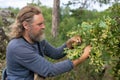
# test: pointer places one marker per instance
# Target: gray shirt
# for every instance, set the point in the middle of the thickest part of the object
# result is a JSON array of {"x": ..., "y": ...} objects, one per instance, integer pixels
[{"x": 25, "y": 59}]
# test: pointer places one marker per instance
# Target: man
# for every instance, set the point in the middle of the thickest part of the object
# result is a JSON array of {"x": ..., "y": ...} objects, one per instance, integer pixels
[{"x": 27, "y": 48}]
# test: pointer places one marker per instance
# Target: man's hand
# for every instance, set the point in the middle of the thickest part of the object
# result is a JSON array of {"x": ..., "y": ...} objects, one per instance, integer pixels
[
  {"x": 86, "y": 53},
  {"x": 76, "y": 40},
  {"x": 83, "y": 57}
]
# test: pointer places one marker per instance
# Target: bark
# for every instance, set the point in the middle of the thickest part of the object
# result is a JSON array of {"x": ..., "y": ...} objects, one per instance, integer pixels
[{"x": 55, "y": 18}]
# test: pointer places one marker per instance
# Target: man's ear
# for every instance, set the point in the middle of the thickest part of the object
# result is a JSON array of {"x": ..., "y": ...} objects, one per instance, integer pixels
[{"x": 25, "y": 25}]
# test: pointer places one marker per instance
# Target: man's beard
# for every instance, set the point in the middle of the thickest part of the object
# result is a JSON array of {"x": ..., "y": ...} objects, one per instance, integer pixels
[{"x": 38, "y": 37}]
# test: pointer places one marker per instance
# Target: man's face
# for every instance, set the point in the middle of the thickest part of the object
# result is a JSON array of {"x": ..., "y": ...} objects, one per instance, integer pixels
[{"x": 36, "y": 31}]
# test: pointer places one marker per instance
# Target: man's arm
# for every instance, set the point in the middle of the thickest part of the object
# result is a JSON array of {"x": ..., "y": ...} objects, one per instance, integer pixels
[
  {"x": 52, "y": 52},
  {"x": 38, "y": 64},
  {"x": 57, "y": 53}
]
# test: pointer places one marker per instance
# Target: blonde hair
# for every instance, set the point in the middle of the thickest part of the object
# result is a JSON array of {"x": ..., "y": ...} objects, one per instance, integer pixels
[{"x": 25, "y": 14}]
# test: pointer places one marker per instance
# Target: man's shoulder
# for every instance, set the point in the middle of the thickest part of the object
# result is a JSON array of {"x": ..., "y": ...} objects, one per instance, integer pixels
[
  {"x": 16, "y": 42},
  {"x": 19, "y": 46}
]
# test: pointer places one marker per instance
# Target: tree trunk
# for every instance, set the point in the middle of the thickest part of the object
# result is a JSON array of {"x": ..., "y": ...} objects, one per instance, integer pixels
[{"x": 55, "y": 18}]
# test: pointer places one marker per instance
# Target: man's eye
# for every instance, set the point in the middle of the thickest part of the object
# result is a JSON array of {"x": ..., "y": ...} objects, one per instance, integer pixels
[{"x": 40, "y": 24}]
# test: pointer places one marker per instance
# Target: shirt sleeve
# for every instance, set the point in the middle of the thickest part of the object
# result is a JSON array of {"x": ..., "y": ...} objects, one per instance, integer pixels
[
  {"x": 38, "y": 64},
  {"x": 52, "y": 52}
]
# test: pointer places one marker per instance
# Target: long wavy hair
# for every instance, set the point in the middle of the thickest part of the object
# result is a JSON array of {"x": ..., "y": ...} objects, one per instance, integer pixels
[{"x": 25, "y": 14}]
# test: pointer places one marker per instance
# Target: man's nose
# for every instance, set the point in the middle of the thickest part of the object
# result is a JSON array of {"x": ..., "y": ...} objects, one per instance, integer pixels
[{"x": 43, "y": 26}]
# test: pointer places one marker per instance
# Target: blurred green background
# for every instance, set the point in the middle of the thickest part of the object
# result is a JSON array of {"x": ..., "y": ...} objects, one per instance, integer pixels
[{"x": 69, "y": 19}]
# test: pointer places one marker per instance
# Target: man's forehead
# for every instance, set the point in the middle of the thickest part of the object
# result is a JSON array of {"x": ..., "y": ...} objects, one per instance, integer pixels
[{"x": 38, "y": 18}]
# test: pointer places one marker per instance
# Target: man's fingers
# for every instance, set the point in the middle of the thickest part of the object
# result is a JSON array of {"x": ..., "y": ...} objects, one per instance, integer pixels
[
  {"x": 77, "y": 39},
  {"x": 88, "y": 48}
]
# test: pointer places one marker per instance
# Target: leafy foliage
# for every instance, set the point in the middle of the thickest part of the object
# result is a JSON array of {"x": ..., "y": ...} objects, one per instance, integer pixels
[
  {"x": 103, "y": 36},
  {"x": 69, "y": 20}
]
